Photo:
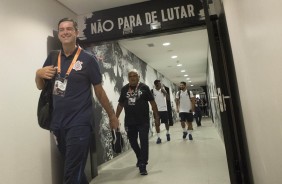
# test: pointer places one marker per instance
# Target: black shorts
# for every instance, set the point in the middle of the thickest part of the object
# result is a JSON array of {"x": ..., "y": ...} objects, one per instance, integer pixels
[
  {"x": 185, "y": 116},
  {"x": 163, "y": 117}
]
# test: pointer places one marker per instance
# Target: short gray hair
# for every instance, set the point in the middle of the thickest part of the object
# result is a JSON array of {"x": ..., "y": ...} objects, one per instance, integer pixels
[{"x": 134, "y": 71}]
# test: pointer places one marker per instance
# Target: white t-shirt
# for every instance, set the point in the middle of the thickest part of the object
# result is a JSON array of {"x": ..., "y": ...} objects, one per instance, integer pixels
[
  {"x": 160, "y": 100},
  {"x": 185, "y": 101}
]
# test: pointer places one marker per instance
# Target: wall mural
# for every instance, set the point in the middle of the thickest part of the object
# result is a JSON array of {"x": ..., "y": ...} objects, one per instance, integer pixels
[
  {"x": 212, "y": 92},
  {"x": 115, "y": 62}
]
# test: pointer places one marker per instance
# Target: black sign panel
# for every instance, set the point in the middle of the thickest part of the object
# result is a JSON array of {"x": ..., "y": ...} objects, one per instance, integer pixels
[{"x": 142, "y": 18}]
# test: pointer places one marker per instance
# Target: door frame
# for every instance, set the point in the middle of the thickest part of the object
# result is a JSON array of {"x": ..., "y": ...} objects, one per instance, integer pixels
[{"x": 234, "y": 133}]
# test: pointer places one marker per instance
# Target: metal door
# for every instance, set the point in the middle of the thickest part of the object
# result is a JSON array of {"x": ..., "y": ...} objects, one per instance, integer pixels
[{"x": 228, "y": 96}]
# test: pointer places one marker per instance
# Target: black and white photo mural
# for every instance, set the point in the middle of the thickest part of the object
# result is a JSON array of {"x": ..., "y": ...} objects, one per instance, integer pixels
[
  {"x": 115, "y": 62},
  {"x": 212, "y": 92}
]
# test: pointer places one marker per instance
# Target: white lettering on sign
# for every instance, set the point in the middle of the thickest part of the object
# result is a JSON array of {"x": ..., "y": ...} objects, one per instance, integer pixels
[
  {"x": 177, "y": 13},
  {"x": 100, "y": 27},
  {"x": 151, "y": 17},
  {"x": 129, "y": 22}
]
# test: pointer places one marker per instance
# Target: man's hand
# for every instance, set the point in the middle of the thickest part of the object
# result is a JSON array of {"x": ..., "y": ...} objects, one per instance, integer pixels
[
  {"x": 47, "y": 72},
  {"x": 114, "y": 123}
]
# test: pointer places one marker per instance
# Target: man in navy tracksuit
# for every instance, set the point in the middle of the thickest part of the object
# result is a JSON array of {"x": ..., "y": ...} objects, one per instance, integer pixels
[{"x": 76, "y": 72}]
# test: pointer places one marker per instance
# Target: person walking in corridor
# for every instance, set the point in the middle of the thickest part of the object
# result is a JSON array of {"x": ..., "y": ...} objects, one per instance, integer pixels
[
  {"x": 77, "y": 71},
  {"x": 185, "y": 104},
  {"x": 161, "y": 96},
  {"x": 134, "y": 98},
  {"x": 198, "y": 112}
]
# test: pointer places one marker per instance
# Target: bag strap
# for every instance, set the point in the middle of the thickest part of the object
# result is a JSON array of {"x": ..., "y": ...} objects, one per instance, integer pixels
[
  {"x": 54, "y": 57},
  {"x": 188, "y": 92},
  {"x": 54, "y": 61},
  {"x": 115, "y": 135}
]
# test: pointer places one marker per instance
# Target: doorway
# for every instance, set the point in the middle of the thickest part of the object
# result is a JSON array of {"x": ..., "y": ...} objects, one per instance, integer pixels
[
  {"x": 116, "y": 57},
  {"x": 225, "y": 96}
]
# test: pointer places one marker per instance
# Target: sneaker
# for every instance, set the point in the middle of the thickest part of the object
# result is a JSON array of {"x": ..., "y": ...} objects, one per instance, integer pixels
[
  {"x": 190, "y": 137},
  {"x": 184, "y": 135},
  {"x": 159, "y": 141},
  {"x": 142, "y": 169},
  {"x": 168, "y": 137}
]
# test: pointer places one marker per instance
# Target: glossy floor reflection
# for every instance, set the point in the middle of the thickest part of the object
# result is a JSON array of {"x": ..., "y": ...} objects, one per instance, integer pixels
[{"x": 201, "y": 161}]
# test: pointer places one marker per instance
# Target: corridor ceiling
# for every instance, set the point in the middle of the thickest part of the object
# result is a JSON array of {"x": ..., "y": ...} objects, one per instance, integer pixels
[{"x": 191, "y": 47}]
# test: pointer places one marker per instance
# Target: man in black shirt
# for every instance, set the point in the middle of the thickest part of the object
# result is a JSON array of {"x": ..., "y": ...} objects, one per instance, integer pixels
[{"x": 134, "y": 99}]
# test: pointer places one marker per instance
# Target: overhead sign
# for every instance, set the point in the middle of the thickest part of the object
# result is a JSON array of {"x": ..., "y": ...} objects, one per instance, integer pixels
[{"x": 141, "y": 19}]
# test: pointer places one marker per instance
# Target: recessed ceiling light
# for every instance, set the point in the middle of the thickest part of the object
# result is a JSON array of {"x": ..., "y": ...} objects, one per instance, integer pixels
[
  {"x": 185, "y": 75},
  {"x": 173, "y": 57},
  {"x": 187, "y": 78},
  {"x": 183, "y": 71},
  {"x": 191, "y": 85},
  {"x": 166, "y": 44},
  {"x": 179, "y": 64},
  {"x": 189, "y": 81}
]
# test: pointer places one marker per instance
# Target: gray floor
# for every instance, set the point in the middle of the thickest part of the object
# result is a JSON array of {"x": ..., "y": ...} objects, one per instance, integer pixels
[{"x": 201, "y": 161}]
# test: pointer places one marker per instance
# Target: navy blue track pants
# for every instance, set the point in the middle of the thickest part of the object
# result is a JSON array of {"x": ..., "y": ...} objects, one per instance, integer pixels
[{"x": 73, "y": 143}]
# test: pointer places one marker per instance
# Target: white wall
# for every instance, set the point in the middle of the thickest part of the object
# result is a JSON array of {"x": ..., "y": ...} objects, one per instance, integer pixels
[
  {"x": 25, "y": 148},
  {"x": 255, "y": 30}
]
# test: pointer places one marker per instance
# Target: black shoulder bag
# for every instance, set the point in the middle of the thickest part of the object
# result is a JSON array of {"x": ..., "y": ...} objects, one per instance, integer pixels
[
  {"x": 45, "y": 103},
  {"x": 117, "y": 141}
]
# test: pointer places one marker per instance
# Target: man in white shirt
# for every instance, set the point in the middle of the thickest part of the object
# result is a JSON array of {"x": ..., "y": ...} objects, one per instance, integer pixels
[
  {"x": 160, "y": 96},
  {"x": 185, "y": 105}
]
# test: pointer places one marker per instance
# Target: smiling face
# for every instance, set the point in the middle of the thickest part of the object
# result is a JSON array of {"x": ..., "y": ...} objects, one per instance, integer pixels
[{"x": 67, "y": 33}]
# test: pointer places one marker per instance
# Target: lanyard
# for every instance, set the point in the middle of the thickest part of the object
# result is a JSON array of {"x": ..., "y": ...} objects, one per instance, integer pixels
[
  {"x": 130, "y": 90},
  {"x": 72, "y": 63}
]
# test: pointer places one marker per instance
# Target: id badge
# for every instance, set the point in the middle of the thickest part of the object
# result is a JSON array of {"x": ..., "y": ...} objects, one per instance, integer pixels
[
  {"x": 131, "y": 101},
  {"x": 60, "y": 87}
]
